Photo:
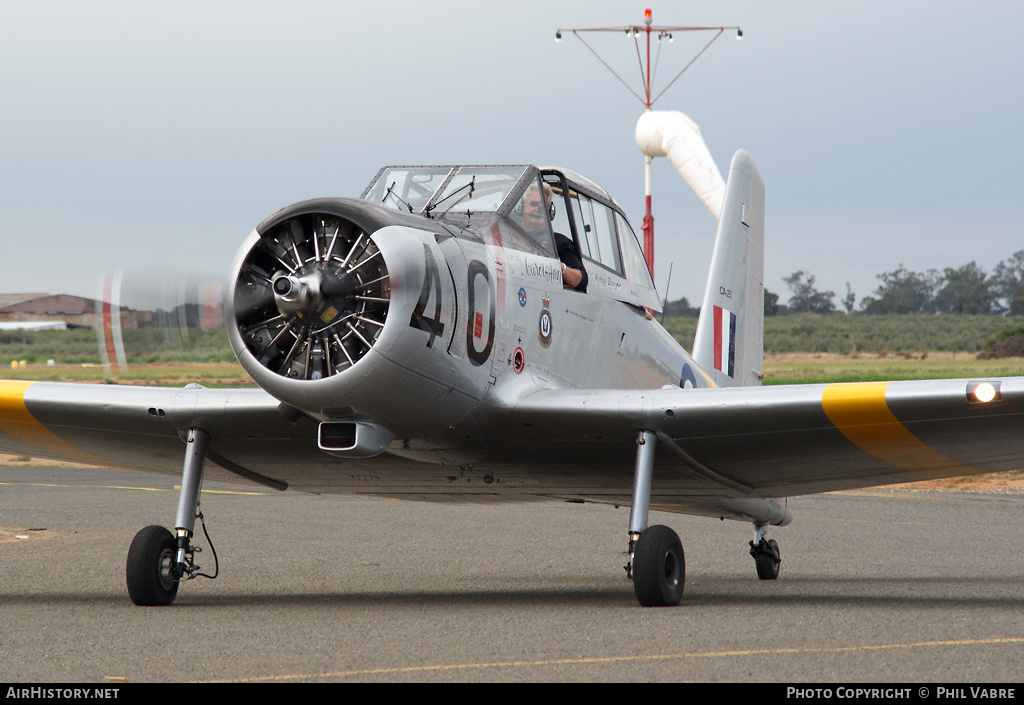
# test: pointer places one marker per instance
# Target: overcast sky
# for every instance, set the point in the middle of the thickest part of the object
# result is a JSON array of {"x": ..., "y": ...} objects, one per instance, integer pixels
[{"x": 159, "y": 133}]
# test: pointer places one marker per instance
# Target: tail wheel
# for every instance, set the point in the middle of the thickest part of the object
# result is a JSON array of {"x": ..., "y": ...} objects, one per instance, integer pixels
[
  {"x": 148, "y": 570},
  {"x": 767, "y": 560},
  {"x": 659, "y": 567}
]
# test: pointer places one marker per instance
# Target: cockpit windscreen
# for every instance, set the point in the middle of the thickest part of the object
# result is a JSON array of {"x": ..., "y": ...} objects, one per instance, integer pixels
[
  {"x": 434, "y": 190},
  {"x": 406, "y": 188}
]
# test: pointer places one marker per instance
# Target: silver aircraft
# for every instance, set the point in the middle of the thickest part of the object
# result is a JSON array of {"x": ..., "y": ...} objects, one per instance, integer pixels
[{"x": 419, "y": 343}]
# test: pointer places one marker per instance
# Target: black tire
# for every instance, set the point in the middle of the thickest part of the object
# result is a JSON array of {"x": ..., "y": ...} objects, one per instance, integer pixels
[
  {"x": 147, "y": 570},
  {"x": 659, "y": 567},
  {"x": 767, "y": 562}
]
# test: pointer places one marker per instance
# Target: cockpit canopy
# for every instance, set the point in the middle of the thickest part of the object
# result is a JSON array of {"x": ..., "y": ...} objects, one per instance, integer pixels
[
  {"x": 437, "y": 190},
  {"x": 475, "y": 197}
]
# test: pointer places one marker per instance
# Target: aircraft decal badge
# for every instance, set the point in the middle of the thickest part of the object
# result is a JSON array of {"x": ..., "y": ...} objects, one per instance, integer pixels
[
  {"x": 545, "y": 323},
  {"x": 518, "y": 361},
  {"x": 725, "y": 341},
  {"x": 522, "y": 297}
]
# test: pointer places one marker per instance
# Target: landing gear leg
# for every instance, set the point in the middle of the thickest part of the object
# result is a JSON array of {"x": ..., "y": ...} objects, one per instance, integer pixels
[
  {"x": 765, "y": 553},
  {"x": 656, "y": 563},
  {"x": 158, "y": 560}
]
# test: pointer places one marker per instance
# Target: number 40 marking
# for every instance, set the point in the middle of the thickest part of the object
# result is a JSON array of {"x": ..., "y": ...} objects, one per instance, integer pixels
[
  {"x": 431, "y": 284},
  {"x": 474, "y": 328}
]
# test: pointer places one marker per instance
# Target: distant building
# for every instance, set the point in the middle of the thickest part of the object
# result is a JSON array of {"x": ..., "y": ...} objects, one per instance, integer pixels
[
  {"x": 33, "y": 325},
  {"x": 78, "y": 311},
  {"x": 73, "y": 311}
]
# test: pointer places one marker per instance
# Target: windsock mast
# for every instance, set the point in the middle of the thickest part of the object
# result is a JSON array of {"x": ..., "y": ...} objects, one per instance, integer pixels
[{"x": 661, "y": 34}]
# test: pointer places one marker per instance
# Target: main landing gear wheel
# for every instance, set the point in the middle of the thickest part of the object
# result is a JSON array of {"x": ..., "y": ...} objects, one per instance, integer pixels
[
  {"x": 659, "y": 567},
  {"x": 766, "y": 559},
  {"x": 149, "y": 569}
]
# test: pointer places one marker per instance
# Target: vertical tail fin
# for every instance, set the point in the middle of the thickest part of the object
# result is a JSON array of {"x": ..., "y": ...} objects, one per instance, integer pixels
[{"x": 729, "y": 344}]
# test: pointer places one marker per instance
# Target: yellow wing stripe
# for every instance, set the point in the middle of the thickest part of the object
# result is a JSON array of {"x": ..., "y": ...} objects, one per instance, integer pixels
[
  {"x": 17, "y": 422},
  {"x": 860, "y": 413}
]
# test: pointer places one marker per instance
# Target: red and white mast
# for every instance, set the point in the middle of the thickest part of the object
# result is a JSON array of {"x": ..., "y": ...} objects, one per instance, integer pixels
[{"x": 661, "y": 34}]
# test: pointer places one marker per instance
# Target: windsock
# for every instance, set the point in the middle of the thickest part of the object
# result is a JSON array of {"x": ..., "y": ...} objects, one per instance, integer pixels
[{"x": 672, "y": 134}]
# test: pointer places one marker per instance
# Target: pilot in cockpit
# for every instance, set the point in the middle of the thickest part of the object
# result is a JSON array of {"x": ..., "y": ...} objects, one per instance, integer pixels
[{"x": 535, "y": 218}]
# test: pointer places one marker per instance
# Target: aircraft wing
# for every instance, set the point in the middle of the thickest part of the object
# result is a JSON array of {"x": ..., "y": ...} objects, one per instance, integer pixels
[
  {"x": 778, "y": 441},
  {"x": 740, "y": 442},
  {"x": 143, "y": 427}
]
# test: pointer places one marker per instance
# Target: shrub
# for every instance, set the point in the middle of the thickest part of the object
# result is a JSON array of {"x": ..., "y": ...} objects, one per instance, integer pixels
[{"x": 1009, "y": 343}]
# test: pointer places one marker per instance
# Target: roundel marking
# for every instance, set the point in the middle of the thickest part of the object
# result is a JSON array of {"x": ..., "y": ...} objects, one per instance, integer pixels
[
  {"x": 686, "y": 379},
  {"x": 518, "y": 361}
]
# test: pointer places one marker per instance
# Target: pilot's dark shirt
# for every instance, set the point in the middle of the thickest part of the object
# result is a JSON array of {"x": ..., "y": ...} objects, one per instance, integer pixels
[{"x": 568, "y": 254}]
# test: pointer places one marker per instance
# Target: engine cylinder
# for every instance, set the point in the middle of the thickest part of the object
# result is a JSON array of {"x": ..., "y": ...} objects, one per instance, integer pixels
[{"x": 311, "y": 295}]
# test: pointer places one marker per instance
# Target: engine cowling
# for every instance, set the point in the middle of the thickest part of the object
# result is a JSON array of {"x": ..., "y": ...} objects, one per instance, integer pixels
[
  {"x": 311, "y": 293},
  {"x": 322, "y": 315}
]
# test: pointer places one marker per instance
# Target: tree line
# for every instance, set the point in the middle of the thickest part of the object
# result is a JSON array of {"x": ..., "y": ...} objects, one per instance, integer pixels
[{"x": 968, "y": 289}]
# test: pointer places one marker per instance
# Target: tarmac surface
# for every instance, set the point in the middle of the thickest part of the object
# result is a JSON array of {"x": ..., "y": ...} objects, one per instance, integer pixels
[{"x": 880, "y": 586}]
